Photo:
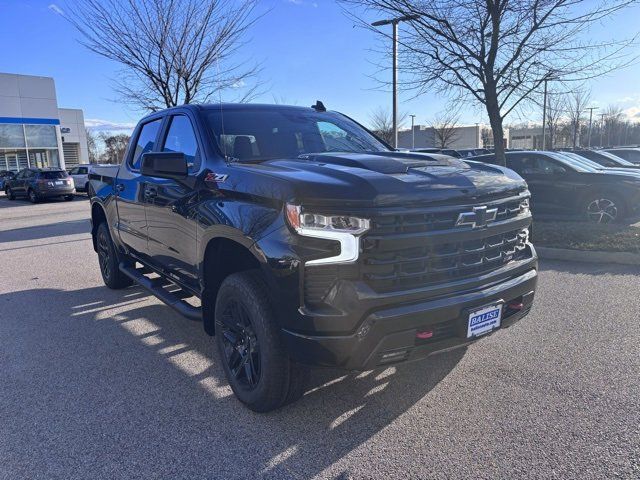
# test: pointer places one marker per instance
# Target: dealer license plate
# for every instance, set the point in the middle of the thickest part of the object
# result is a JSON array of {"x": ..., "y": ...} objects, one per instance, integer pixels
[
  {"x": 59, "y": 182},
  {"x": 484, "y": 320}
]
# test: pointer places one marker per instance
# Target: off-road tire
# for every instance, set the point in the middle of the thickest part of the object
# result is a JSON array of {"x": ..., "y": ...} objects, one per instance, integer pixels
[
  {"x": 109, "y": 260},
  {"x": 280, "y": 381}
]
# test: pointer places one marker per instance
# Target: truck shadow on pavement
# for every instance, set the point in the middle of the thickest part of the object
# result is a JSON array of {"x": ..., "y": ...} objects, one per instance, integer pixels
[
  {"x": 48, "y": 230},
  {"x": 115, "y": 384}
]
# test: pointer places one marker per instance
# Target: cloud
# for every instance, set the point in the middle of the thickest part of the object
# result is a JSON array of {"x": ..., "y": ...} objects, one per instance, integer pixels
[
  {"x": 98, "y": 125},
  {"x": 56, "y": 9}
]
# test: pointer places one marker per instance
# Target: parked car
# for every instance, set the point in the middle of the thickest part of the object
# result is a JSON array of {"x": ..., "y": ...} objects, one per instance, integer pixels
[
  {"x": 309, "y": 242},
  {"x": 5, "y": 175},
  {"x": 38, "y": 184},
  {"x": 559, "y": 185},
  {"x": 630, "y": 154},
  {"x": 590, "y": 164},
  {"x": 82, "y": 173},
  {"x": 472, "y": 152},
  {"x": 606, "y": 159}
]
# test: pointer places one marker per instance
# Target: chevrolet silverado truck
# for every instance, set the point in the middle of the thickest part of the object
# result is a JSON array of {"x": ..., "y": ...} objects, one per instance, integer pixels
[{"x": 298, "y": 239}]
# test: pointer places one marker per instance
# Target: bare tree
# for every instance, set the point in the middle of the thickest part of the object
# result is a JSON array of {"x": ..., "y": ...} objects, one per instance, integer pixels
[
  {"x": 576, "y": 107},
  {"x": 115, "y": 147},
  {"x": 173, "y": 52},
  {"x": 613, "y": 124},
  {"x": 445, "y": 127},
  {"x": 381, "y": 123},
  {"x": 555, "y": 114},
  {"x": 499, "y": 52},
  {"x": 92, "y": 145}
]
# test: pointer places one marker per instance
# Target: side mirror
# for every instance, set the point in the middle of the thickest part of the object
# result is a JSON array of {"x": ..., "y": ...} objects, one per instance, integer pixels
[{"x": 171, "y": 165}]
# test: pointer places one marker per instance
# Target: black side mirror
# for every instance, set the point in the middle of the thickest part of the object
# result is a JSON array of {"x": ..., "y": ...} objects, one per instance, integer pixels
[{"x": 171, "y": 165}]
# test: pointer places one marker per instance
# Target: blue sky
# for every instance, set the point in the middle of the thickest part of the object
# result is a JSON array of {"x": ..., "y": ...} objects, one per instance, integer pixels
[{"x": 309, "y": 50}]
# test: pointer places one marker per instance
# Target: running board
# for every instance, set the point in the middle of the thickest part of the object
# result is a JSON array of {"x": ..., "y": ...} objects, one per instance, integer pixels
[{"x": 155, "y": 287}]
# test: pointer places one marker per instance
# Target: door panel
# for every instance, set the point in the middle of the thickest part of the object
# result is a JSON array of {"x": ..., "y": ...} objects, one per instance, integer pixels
[
  {"x": 132, "y": 221},
  {"x": 170, "y": 208}
]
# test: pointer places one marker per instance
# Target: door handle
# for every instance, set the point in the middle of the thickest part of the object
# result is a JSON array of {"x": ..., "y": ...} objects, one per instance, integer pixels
[
  {"x": 150, "y": 192},
  {"x": 120, "y": 187}
]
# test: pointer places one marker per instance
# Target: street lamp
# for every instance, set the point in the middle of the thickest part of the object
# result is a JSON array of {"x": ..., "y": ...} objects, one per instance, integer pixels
[
  {"x": 413, "y": 133},
  {"x": 591, "y": 109},
  {"x": 395, "y": 22}
]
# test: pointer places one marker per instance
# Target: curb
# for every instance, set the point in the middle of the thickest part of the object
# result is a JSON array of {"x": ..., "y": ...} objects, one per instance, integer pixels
[{"x": 621, "y": 258}]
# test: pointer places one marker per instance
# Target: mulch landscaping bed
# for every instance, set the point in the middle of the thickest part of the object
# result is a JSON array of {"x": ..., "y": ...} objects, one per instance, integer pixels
[{"x": 587, "y": 236}]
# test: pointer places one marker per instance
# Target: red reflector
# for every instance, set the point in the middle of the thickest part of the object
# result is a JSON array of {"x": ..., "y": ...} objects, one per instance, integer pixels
[
  {"x": 516, "y": 306},
  {"x": 424, "y": 335}
]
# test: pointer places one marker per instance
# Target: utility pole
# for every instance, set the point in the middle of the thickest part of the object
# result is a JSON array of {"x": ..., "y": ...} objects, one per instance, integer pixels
[
  {"x": 413, "y": 133},
  {"x": 544, "y": 117},
  {"x": 591, "y": 109},
  {"x": 395, "y": 22},
  {"x": 602, "y": 115}
]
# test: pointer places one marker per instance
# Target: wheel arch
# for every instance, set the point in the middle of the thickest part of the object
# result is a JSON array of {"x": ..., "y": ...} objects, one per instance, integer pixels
[
  {"x": 222, "y": 257},
  {"x": 98, "y": 215}
]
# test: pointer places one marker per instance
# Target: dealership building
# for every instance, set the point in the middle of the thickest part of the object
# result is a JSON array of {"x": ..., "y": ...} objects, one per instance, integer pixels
[{"x": 34, "y": 131}]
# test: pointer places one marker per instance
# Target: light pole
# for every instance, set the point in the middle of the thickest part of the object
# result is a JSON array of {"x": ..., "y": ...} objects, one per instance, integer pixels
[
  {"x": 413, "y": 133},
  {"x": 395, "y": 22},
  {"x": 544, "y": 117},
  {"x": 591, "y": 109},
  {"x": 602, "y": 115}
]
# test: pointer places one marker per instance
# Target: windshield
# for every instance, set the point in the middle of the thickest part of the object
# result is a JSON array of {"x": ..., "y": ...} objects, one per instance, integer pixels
[
  {"x": 577, "y": 165},
  {"x": 615, "y": 158},
  {"x": 583, "y": 161},
  {"x": 259, "y": 134}
]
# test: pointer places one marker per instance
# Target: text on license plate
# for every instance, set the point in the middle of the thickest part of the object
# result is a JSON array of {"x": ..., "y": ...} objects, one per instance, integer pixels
[
  {"x": 59, "y": 182},
  {"x": 484, "y": 320}
]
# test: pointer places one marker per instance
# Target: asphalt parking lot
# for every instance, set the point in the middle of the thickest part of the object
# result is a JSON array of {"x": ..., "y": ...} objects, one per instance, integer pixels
[{"x": 97, "y": 383}]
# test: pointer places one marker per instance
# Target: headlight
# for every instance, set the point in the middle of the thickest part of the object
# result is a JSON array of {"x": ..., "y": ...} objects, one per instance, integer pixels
[{"x": 341, "y": 228}]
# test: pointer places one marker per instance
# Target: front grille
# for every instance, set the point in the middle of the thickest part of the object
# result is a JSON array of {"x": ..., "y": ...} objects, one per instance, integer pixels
[
  {"x": 424, "y": 247},
  {"x": 438, "y": 219},
  {"x": 419, "y": 249}
]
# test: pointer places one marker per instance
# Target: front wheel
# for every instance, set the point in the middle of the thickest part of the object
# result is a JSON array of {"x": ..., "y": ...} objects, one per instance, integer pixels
[
  {"x": 109, "y": 262},
  {"x": 9, "y": 193},
  {"x": 605, "y": 208},
  {"x": 254, "y": 359}
]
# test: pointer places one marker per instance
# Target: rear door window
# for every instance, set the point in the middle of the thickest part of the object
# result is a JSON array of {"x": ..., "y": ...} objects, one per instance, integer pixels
[{"x": 145, "y": 142}]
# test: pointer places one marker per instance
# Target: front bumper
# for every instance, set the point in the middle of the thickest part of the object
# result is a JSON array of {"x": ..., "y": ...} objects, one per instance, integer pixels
[{"x": 388, "y": 335}]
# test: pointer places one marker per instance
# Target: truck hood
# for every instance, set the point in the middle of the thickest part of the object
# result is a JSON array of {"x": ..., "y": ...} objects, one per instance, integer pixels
[{"x": 381, "y": 179}]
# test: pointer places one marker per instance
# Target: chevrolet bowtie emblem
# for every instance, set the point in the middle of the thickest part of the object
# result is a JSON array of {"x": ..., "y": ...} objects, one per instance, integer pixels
[{"x": 477, "y": 218}]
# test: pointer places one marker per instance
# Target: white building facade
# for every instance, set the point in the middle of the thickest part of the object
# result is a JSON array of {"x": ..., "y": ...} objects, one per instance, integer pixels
[
  {"x": 461, "y": 137},
  {"x": 34, "y": 132}
]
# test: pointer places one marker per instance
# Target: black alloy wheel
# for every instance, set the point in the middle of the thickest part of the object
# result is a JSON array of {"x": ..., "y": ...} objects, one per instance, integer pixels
[
  {"x": 10, "y": 194},
  {"x": 33, "y": 196},
  {"x": 241, "y": 346}
]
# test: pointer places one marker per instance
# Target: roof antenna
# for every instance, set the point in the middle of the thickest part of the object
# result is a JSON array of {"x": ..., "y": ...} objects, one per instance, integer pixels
[{"x": 319, "y": 106}]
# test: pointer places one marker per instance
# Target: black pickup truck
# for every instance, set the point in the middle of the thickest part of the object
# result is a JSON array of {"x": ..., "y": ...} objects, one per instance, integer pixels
[{"x": 300, "y": 239}]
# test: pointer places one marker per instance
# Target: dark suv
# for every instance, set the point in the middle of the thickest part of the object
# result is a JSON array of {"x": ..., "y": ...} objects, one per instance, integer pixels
[
  {"x": 560, "y": 185},
  {"x": 38, "y": 183}
]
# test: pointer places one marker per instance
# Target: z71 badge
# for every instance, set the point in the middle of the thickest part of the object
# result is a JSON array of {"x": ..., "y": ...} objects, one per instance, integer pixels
[{"x": 216, "y": 177}]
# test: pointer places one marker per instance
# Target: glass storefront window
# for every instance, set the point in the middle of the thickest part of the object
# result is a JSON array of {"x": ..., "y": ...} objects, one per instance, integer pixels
[
  {"x": 12, "y": 136},
  {"x": 41, "y": 136}
]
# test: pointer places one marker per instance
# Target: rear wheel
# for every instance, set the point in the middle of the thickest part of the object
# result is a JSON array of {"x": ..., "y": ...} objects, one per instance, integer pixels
[
  {"x": 109, "y": 261},
  {"x": 9, "y": 193},
  {"x": 255, "y": 362},
  {"x": 33, "y": 196},
  {"x": 605, "y": 208}
]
